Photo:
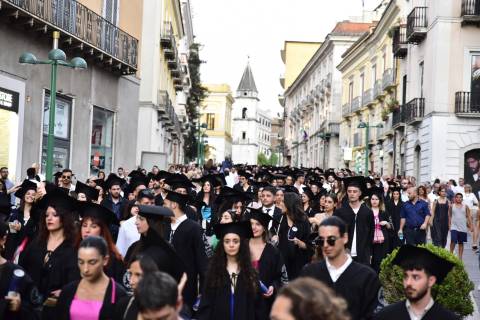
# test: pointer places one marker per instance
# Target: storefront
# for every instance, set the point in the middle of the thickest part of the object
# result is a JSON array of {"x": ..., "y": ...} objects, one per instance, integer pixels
[{"x": 101, "y": 152}]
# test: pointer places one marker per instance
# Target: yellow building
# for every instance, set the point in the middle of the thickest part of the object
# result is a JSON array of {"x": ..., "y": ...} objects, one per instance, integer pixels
[
  {"x": 295, "y": 55},
  {"x": 369, "y": 96},
  {"x": 216, "y": 113}
]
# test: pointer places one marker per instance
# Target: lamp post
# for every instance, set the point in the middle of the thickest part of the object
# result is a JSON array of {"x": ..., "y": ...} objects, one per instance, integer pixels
[
  {"x": 56, "y": 57},
  {"x": 367, "y": 126}
]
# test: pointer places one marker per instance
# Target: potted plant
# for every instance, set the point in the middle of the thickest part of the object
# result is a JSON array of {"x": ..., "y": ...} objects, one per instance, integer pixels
[
  {"x": 453, "y": 293},
  {"x": 393, "y": 105},
  {"x": 384, "y": 114}
]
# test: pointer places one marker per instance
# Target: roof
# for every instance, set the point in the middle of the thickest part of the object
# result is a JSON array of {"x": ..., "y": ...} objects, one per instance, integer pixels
[
  {"x": 347, "y": 27},
  {"x": 247, "y": 83}
]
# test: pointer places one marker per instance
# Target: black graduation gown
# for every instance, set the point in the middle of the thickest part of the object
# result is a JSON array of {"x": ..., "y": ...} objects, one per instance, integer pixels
[
  {"x": 27, "y": 292},
  {"x": 393, "y": 211},
  {"x": 67, "y": 295},
  {"x": 365, "y": 228},
  {"x": 116, "y": 269},
  {"x": 188, "y": 243},
  {"x": 358, "y": 285},
  {"x": 28, "y": 231},
  {"x": 126, "y": 309},
  {"x": 398, "y": 311},
  {"x": 294, "y": 257},
  {"x": 380, "y": 250},
  {"x": 215, "y": 302},
  {"x": 250, "y": 189},
  {"x": 60, "y": 269}
]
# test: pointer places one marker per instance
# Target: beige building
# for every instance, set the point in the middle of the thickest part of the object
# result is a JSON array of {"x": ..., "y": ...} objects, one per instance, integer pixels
[{"x": 216, "y": 113}]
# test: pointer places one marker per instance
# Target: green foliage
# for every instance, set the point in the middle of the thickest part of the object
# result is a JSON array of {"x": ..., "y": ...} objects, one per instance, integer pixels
[
  {"x": 453, "y": 293},
  {"x": 196, "y": 95},
  {"x": 262, "y": 159},
  {"x": 273, "y": 159}
]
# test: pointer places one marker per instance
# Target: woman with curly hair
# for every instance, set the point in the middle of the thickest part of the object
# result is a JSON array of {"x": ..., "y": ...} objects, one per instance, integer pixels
[
  {"x": 232, "y": 289},
  {"x": 305, "y": 299}
]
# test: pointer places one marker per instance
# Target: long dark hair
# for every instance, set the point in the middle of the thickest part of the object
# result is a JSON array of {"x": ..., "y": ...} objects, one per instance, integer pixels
[
  {"x": 68, "y": 225},
  {"x": 294, "y": 207},
  {"x": 218, "y": 267}
]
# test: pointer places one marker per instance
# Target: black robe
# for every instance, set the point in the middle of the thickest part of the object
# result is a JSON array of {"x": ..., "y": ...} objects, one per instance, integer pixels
[
  {"x": 294, "y": 257},
  {"x": 398, "y": 311},
  {"x": 215, "y": 302},
  {"x": 126, "y": 309},
  {"x": 393, "y": 211},
  {"x": 188, "y": 243},
  {"x": 358, "y": 285},
  {"x": 27, "y": 232},
  {"x": 26, "y": 290},
  {"x": 365, "y": 229},
  {"x": 115, "y": 269}
]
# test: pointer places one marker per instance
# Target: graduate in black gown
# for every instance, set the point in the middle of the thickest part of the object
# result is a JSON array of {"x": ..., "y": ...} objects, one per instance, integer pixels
[
  {"x": 18, "y": 298},
  {"x": 96, "y": 220},
  {"x": 151, "y": 226},
  {"x": 232, "y": 290},
  {"x": 186, "y": 237},
  {"x": 393, "y": 207},
  {"x": 358, "y": 284},
  {"x": 51, "y": 259},
  {"x": 422, "y": 269},
  {"x": 23, "y": 221},
  {"x": 266, "y": 259}
]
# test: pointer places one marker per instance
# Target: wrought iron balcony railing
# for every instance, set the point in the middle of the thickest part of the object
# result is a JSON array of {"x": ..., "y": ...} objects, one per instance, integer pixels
[
  {"x": 467, "y": 103},
  {"x": 398, "y": 117},
  {"x": 399, "y": 42},
  {"x": 415, "y": 110},
  {"x": 367, "y": 97},
  {"x": 355, "y": 104},
  {"x": 417, "y": 24},
  {"x": 388, "y": 79},
  {"x": 346, "y": 109}
]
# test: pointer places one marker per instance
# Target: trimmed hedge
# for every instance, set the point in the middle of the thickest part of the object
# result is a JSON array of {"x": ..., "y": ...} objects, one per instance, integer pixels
[{"x": 453, "y": 293}]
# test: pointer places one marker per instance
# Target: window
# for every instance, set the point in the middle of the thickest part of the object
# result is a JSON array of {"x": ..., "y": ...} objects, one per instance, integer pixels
[
  {"x": 101, "y": 141},
  {"x": 475, "y": 82},
  {"x": 362, "y": 86},
  {"x": 61, "y": 130},
  {"x": 244, "y": 113},
  {"x": 374, "y": 74},
  {"x": 350, "y": 92},
  {"x": 210, "y": 121},
  {"x": 244, "y": 135},
  {"x": 110, "y": 11},
  {"x": 421, "y": 69}
]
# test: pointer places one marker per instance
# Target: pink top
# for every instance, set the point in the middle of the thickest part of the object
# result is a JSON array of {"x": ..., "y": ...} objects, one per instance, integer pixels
[{"x": 85, "y": 309}]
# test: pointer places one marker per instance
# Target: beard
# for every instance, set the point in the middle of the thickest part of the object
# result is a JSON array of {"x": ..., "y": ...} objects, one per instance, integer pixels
[{"x": 415, "y": 295}]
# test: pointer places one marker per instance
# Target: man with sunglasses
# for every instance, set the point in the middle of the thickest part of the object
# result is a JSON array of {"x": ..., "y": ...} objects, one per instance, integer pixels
[
  {"x": 355, "y": 282},
  {"x": 66, "y": 180}
]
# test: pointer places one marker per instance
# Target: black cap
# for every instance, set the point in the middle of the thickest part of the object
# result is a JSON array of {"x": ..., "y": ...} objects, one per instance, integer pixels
[
  {"x": 243, "y": 173},
  {"x": 154, "y": 212},
  {"x": 162, "y": 174},
  {"x": 59, "y": 198},
  {"x": 112, "y": 180},
  {"x": 378, "y": 191},
  {"x": 412, "y": 257},
  {"x": 26, "y": 185},
  {"x": 290, "y": 189},
  {"x": 229, "y": 194},
  {"x": 90, "y": 192},
  {"x": 260, "y": 216},
  {"x": 136, "y": 174},
  {"x": 395, "y": 188},
  {"x": 309, "y": 193},
  {"x": 137, "y": 181},
  {"x": 242, "y": 228},
  {"x": 96, "y": 211},
  {"x": 179, "y": 198},
  {"x": 216, "y": 180},
  {"x": 357, "y": 181},
  {"x": 179, "y": 181}
]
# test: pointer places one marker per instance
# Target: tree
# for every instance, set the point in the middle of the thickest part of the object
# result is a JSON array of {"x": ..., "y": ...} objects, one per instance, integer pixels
[
  {"x": 273, "y": 159},
  {"x": 196, "y": 95},
  {"x": 262, "y": 159}
]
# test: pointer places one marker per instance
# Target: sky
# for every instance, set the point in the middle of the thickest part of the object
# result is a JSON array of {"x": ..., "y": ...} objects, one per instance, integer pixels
[{"x": 230, "y": 31}]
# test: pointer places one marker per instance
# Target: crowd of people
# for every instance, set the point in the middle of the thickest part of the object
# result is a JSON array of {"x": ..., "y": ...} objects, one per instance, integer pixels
[{"x": 225, "y": 242}]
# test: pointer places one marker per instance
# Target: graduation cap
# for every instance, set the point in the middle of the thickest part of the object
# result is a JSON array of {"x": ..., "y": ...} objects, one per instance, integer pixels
[
  {"x": 395, "y": 188},
  {"x": 162, "y": 174},
  {"x": 242, "y": 228},
  {"x": 99, "y": 212},
  {"x": 154, "y": 212},
  {"x": 59, "y": 198},
  {"x": 260, "y": 216},
  {"x": 243, "y": 173},
  {"x": 137, "y": 181},
  {"x": 260, "y": 184},
  {"x": 378, "y": 191},
  {"x": 58, "y": 174},
  {"x": 290, "y": 189},
  {"x": 113, "y": 180},
  {"x": 179, "y": 198},
  {"x": 370, "y": 180},
  {"x": 136, "y": 174},
  {"x": 308, "y": 192},
  {"x": 179, "y": 181},
  {"x": 25, "y": 186},
  {"x": 356, "y": 181},
  {"x": 216, "y": 180},
  {"x": 90, "y": 192},
  {"x": 230, "y": 194},
  {"x": 411, "y": 257}
]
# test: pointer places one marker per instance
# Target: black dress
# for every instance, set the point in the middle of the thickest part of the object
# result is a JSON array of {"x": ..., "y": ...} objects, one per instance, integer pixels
[
  {"x": 380, "y": 250},
  {"x": 358, "y": 285},
  {"x": 393, "y": 211},
  {"x": 126, "y": 309},
  {"x": 25, "y": 235},
  {"x": 294, "y": 257},
  {"x": 26, "y": 289},
  {"x": 398, "y": 311},
  {"x": 60, "y": 269},
  {"x": 440, "y": 224},
  {"x": 216, "y": 303},
  {"x": 363, "y": 221},
  {"x": 115, "y": 269}
]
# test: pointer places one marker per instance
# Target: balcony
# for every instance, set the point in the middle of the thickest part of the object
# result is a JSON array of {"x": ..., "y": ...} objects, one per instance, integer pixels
[
  {"x": 167, "y": 39},
  {"x": 367, "y": 97},
  {"x": 282, "y": 80},
  {"x": 334, "y": 129},
  {"x": 346, "y": 110},
  {"x": 388, "y": 80},
  {"x": 79, "y": 28},
  {"x": 467, "y": 104},
  {"x": 162, "y": 101},
  {"x": 356, "y": 104},
  {"x": 399, "y": 42},
  {"x": 398, "y": 118},
  {"x": 417, "y": 25},
  {"x": 414, "y": 111},
  {"x": 357, "y": 139},
  {"x": 470, "y": 12},
  {"x": 378, "y": 89}
]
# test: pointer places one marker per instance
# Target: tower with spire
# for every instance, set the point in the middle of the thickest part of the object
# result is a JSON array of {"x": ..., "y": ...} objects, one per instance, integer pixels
[{"x": 251, "y": 125}]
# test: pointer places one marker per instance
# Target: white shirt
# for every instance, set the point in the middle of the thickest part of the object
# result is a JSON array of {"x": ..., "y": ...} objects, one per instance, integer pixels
[
  {"x": 335, "y": 273},
  {"x": 412, "y": 315},
  {"x": 353, "y": 251},
  {"x": 458, "y": 189},
  {"x": 127, "y": 235},
  {"x": 270, "y": 212},
  {"x": 404, "y": 195},
  {"x": 470, "y": 200},
  {"x": 230, "y": 179},
  {"x": 178, "y": 221},
  {"x": 432, "y": 197},
  {"x": 299, "y": 188}
]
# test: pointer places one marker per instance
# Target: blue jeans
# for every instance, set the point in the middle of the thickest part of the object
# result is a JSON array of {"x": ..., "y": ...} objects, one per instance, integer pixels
[{"x": 415, "y": 236}]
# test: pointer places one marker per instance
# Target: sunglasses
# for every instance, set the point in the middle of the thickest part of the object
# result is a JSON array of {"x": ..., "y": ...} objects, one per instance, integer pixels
[
  {"x": 330, "y": 241},
  {"x": 66, "y": 177}
]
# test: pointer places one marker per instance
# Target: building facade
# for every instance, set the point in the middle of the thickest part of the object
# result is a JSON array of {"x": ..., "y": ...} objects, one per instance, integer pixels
[
  {"x": 93, "y": 126},
  {"x": 295, "y": 55},
  {"x": 216, "y": 113},
  {"x": 167, "y": 36},
  {"x": 278, "y": 138},
  {"x": 313, "y": 99},
  {"x": 369, "y": 82},
  {"x": 251, "y": 124}
]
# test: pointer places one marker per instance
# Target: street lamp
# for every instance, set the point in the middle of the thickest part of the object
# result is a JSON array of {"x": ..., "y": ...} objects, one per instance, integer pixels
[
  {"x": 367, "y": 126},
  {"x": 56, "y": 57}
]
